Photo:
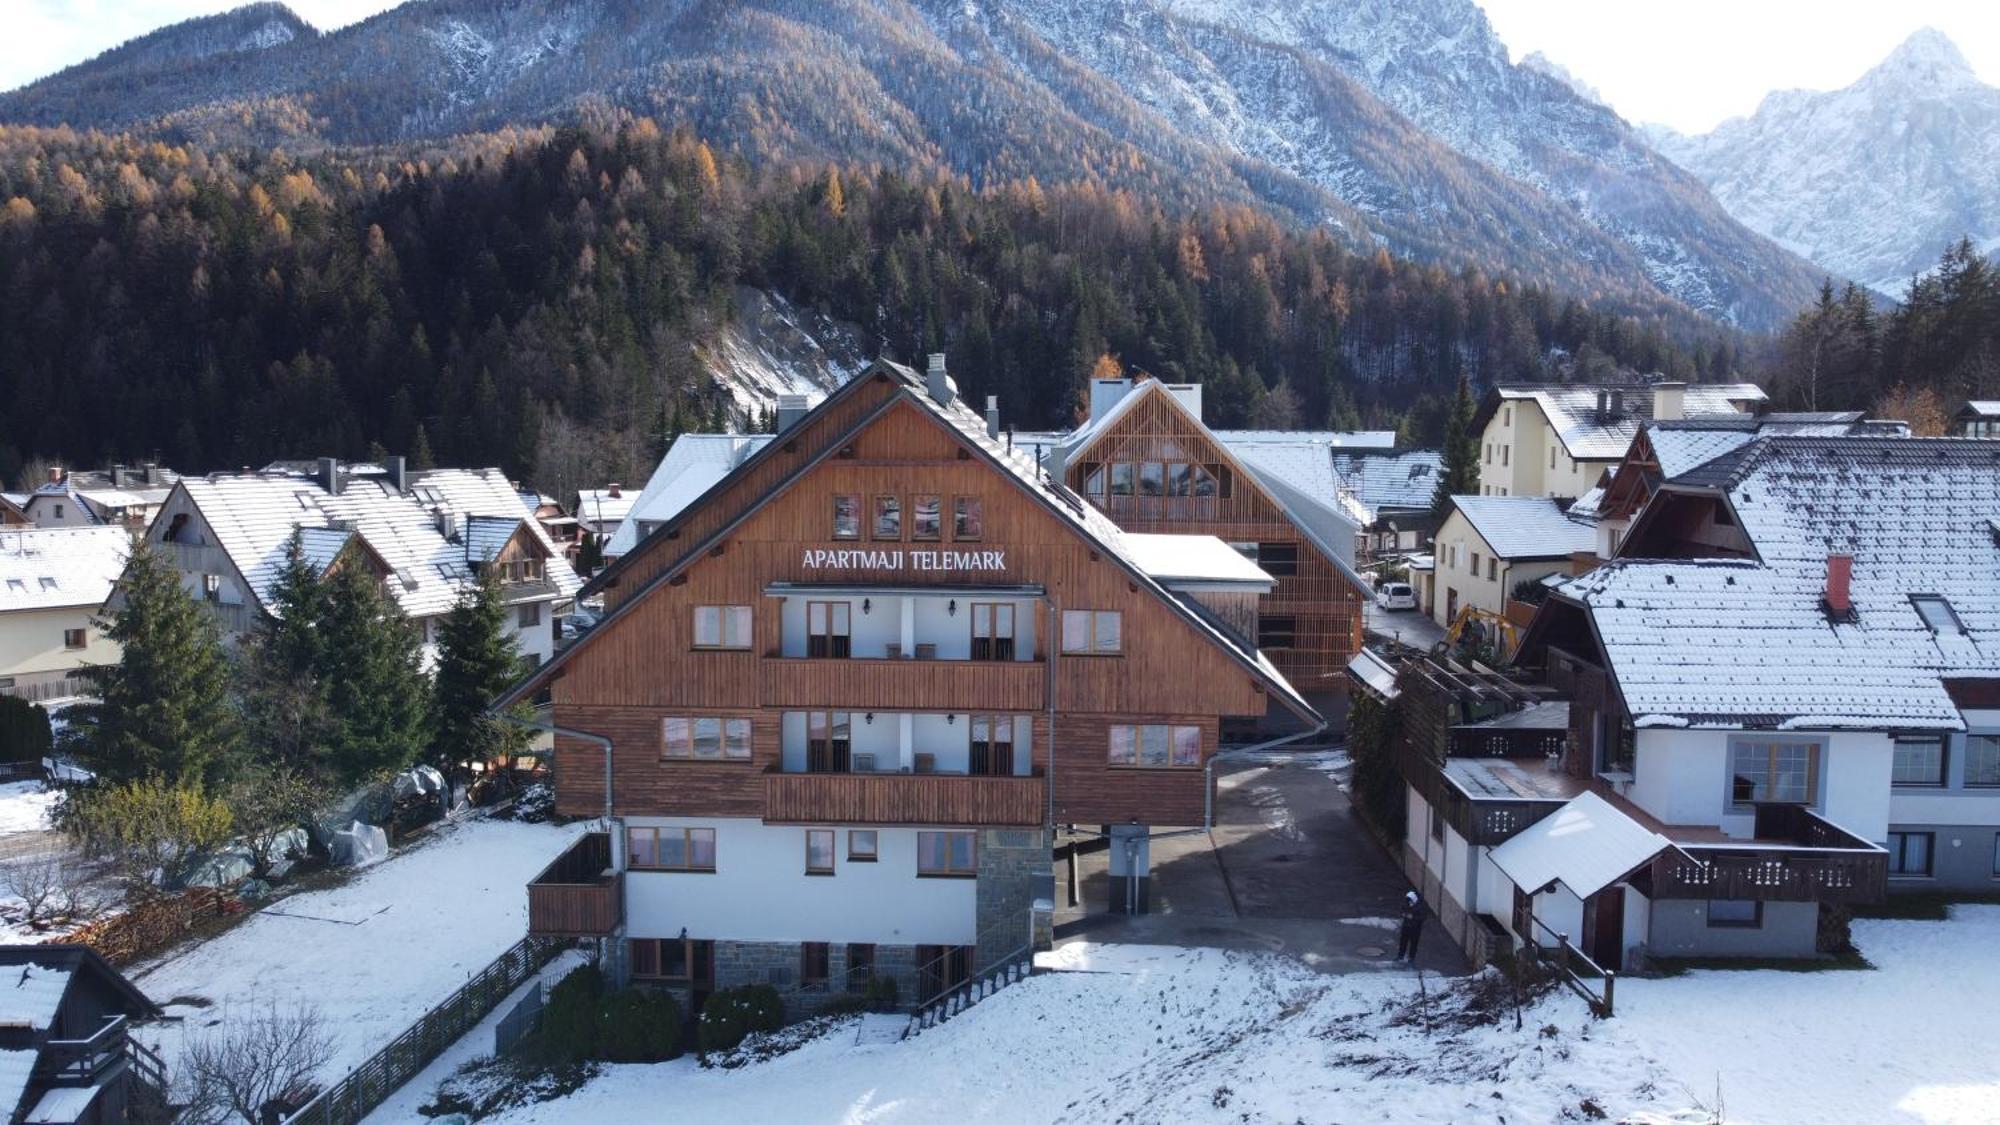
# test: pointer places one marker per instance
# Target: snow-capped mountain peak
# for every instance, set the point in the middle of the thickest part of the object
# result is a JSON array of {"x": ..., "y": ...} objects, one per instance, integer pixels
[{"x": 1928, "y": 62}]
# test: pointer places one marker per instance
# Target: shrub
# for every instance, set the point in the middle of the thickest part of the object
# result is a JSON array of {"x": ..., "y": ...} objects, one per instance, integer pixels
[
  {"x": 638, "y": 1027},
  {"x": 24, "y": 731},
  {"x": 732, "y": 1013},
  {"x": 572, "y": 1017}
]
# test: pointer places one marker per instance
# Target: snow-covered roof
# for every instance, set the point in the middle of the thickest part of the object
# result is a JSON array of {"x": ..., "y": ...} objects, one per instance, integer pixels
[
  {"x": 30, "y": 995},
  {"x": 694, "y": 464},
  {"x": 1390, "y": 481},
  {"x": 1374, "y": 672},
  {"x": 1588, "y": 435},
  {"x": 1525, "y": 527},
  {"x": 1305, "y": 465},
  {"x": 253, "y": 516},
  {"x": 62, "y": 1105},
  {"x": 1587, "y": 507},
  {"x": 16, "y": 1067},
  {"x": 1192, "y": 558},
  {"x": 599, "y": 508},
  {"x": 1980, "y": 408},
  {"x": 1916, "y": 516},
  {"x": 1586, "y": 845},
  {"x": 58, "y": 567},
  {"x": 1336, "y": 439}
]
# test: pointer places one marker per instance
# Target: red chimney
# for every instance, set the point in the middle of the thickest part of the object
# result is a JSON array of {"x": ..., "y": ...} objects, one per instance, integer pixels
[
  {"x": 1839, "y": 574},
  {"x": 616, "y": 490}
]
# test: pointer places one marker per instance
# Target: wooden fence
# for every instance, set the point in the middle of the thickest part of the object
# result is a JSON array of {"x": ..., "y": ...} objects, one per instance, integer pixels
[{"x": 370, "y": 1084}]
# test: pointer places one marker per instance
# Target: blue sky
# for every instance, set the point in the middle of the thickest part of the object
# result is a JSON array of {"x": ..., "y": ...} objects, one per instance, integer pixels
[{"x": 1685, "y": 63}]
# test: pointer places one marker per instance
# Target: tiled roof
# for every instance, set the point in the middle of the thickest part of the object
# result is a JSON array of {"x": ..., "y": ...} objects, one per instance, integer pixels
[
  {"x": 253, "y": 517},
  {"x": 1390, "y": 481},
  {"x": 58, "y": 567},
  {"x": 1525, "y": 527},
  {"x": 1914, "y": 513},
  {"x": 1571, "y": 410},
  {"x": 692, "y": 466}
]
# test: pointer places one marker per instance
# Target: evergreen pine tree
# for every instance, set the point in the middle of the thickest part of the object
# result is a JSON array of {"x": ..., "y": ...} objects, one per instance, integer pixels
[
  {"x": 477, "y": 660},
  {"x": 163, "y": 711},
  {"x": 1459, "y": 474},
  {"x": 371, "y": 668},
  {"x": 284, "y": 702}
]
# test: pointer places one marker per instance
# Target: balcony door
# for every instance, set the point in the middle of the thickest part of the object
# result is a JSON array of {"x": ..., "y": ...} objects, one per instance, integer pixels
[
  {"x": 829, "y": 630},
  {"x": 829, "y": 742},
  {"x": 992, "y": 631},
  {"x": 992, "y": 745}
]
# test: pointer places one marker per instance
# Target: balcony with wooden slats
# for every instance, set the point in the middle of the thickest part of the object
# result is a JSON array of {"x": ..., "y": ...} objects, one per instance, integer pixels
[
  {"x": 904, "y": 685},
  {"x": 577, "y": 895},
  {"x": 904, "y": 798}
]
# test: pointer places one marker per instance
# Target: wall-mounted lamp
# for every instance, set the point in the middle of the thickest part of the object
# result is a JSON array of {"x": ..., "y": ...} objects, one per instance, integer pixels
[
  {"x": 684, "y": 933},
  {"x": 950, "y": 719},
  {"x": 866, "y": 605},
  {"x": 870, "y": 717},
  {"x": 951, "y": 608}
]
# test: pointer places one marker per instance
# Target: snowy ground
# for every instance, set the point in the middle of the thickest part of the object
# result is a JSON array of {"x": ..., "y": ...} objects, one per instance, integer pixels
[
  {"x": 1155, "y": 1034},
  {"x": 374, "y": 953},
  {"x": 24, "y": 806}
]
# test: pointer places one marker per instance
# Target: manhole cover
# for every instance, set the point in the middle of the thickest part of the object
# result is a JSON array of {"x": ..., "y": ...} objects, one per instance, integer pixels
[{"x": 1370, "y": 950}]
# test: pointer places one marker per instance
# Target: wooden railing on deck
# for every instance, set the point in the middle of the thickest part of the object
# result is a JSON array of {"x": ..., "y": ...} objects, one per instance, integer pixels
[
  {"x": 577, "y": 895},
  {"x": 1827, "y": 864},
  {"x": 902, "y": 798},
  {"x": 889, "y": 685}
]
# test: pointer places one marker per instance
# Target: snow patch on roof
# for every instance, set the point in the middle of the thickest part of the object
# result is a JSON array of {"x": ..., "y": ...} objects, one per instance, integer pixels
[
  {"x": 1586, "y": 845},
  {"x": 1525, "y": 527},
  {"x": 59, "y": 567}
]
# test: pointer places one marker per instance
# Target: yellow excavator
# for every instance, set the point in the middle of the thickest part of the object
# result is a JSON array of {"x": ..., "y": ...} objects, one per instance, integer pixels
[{"x": 1480, "y": 630}]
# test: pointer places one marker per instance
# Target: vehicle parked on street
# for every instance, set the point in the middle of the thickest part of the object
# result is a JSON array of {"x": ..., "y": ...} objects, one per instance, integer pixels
[{"x": 1396, "y": 595}]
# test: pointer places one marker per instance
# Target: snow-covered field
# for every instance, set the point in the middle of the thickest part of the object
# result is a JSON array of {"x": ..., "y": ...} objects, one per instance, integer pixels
[
  {"x": 1153, "y": 1034},
  {"x": 374, "y": 953},
  {"x": 24, "y": 806}
]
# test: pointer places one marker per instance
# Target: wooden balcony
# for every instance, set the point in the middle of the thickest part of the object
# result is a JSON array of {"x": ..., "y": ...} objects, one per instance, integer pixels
[
  {"x": 903, "y": 798},
  {"x": 904, "y": 685},
  {"x": 1797, "y": 856},
  {"x": 578, "y": 895}
]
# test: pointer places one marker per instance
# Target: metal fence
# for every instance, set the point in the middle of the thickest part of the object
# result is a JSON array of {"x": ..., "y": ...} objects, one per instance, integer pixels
[{"x": 347, "y": 1101}]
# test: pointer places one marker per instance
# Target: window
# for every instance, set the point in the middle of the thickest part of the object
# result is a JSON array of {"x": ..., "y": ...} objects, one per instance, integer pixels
[
  {"x": 993, "y": 745},
  {"x": 722, "y": 626},
  {"x": 926, "y": 518},
  {"x": 1503, "y": 454},
  {"x": 1279, "y": 560},
  {"x": 1552, "y": 457},
  {"x": 59, "y": 511},
  {"x": 862, "y": 846},
  {"x": 992, "y": 631},
  {"x": 211, "y": 587},
  {"x": 1775, "y": 771},
  {"x": 888, "y": 518},
  {"x": 1152, "y": 478},
  {"x": 847, "y": 517},
  {"x": 1937, "y": 613},
  {"x": 1507, "y": 416},
  {"x": 670, "y": 849},
  {"x": 1224, "y": 481},
  {"x": 1092, "y": 632},
  {"x": 968, "y": 518},
  {"x": 1910, "y": 854},
  {"x": 1919, "y": 760},
  {"x": 1489, "y": 453},
  {"x": 1122, "y": 479},
  {"x": 950, "y": 854},
  {"x": 1155, "y": 746},
  {"x": 813, "y": 963},
  {"x": 1982, "y": 759},
  {"x": 531, "y": 615},
  {"x": 828, "y": 630},
  {"x": 708, "y": 738},
  {"x": 860, "y": 965},
  {"x": 1475, "y": 564},
  {"x": 1492, "y": 568},
  {"x": 1735, "y": 913},
  {"x": 829, "y": 737},
  {"x": 1093, "y": 480},
  {"x": 1996, "y": 855},
  {"x": 1180, "y": 479},
  {"x": 819, "y": 851},
  {"x": 683, "y": 960},
  {"x": 1277, "y": 631},
  {"x": 74, "y": 639}
]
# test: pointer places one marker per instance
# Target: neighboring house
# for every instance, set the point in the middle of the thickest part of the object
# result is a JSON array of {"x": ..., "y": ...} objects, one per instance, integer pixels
[
  {"x": 1557, "y": 439},
  {"x": 1146, "y": 460},
  {"x": 66, "y": 1052},
  {"x": 1488, "y": 545},
  {"x": 11, "y": 512},
  {"x": 426, "y": 535},
  {"x": 53, "y": 584},
  {"x": 599, "y": 511},
  {"x": 1390, "y": 494},
  {"x": 692, "y": 466},
  {"x": 1979, "y": 418},
  {"x": 839, "y": 703}
]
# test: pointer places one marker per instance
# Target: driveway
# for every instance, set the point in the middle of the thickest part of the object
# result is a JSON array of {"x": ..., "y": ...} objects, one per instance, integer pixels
[
  {"x": 1405, "y": 625},
  {"x": 1287, "y": 869}
]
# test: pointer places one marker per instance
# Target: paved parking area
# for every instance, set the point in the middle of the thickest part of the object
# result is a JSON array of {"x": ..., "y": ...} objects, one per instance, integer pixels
[{"x": 1287, "y": 869}]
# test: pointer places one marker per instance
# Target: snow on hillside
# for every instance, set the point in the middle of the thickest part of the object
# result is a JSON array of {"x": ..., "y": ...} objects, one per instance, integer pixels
[
  {"x": 1871, "y": 181},
  {"x": 772, "y": 347},
  {"x": 1153, "y": 1034}
]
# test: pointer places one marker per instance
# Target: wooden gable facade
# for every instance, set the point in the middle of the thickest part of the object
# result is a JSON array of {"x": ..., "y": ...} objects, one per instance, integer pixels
[
  {"x": 772, "y": 525},
  {"x": 1310, "y": 624}
]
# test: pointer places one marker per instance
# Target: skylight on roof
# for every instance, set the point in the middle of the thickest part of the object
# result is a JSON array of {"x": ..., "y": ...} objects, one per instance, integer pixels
[
  {"x": 48, "y": 583},
  {"x": 1937, "y": 613}
]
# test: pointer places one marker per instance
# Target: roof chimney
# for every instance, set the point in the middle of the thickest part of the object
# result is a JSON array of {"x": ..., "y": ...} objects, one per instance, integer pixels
[
  {"x": 993, "y": 417},
  {"x": 1055, "y": 460},
  {"x": 792, "y": 409},
  {"x": 1669, "y": 402},
  {"x": 939, "y": 383},
  {"x": 1603, "y": 402},
  {"x": 615, "y": 490},
  {"x": 329, "y": 475},
  {"x": 55, "y": 474},
  {"x": 1105, "y": 394},
  {"x": 1617, "y": 402},
  {"x": 399, "y": 475},
  {"x": 1839, "y": 581}
]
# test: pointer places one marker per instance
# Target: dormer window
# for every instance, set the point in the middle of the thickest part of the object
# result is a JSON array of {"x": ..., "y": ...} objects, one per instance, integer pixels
[{"x": 1937, "y": 613}]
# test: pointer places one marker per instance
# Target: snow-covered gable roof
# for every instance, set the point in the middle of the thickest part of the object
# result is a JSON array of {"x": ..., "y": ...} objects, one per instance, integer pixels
[
  {"x": 598, "y": 509},
  {"x": 1586, "y": 845},
  {"x": 487, "y": 536},
  {"x": 1376, "y": 440},
  {"x": 1914, "y": 513},
  {"x": 253, "y": 517},
  {"x": 1980, "y": 408},
  {"x": 1587, "y": 435},
  {"x": 694, "y": 463},
  {"x": 59, "y": 567},
  {"x": 1193, "y": 558},
  {"x": 1525, "y": 527},
  {"x": 1390, "y": 481},
  {"x": 30, "y": 995}
]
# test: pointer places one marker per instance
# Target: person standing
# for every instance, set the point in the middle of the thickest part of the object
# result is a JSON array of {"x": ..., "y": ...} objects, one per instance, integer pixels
[{"x": 1413, "y": 928}]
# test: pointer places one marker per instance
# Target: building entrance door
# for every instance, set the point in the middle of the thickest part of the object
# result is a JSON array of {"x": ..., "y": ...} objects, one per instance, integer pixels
[{"x": 1604, "y": 928}]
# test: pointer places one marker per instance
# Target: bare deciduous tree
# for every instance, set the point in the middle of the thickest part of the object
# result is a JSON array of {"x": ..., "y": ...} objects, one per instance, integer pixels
[
  {"x": 53, "y": 886},
  {"x": 270, "y": 1058}
]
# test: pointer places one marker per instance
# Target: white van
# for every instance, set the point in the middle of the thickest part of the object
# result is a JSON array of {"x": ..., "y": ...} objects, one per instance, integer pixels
[{"x": 1396, "y": 595}]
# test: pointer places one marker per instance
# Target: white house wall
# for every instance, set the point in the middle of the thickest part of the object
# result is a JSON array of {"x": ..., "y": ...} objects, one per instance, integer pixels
[
  {"x": 1683, "y": 777},
  {"x": 759, "y": 891}
]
